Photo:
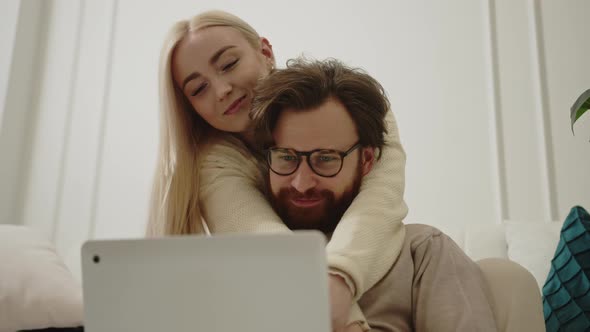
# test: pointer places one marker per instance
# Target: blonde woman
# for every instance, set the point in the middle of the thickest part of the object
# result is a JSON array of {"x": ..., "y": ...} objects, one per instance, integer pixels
[{"x": 206, "y": 173}]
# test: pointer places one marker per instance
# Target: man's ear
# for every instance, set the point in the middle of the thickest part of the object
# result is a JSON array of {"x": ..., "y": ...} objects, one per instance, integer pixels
[
  {"x": 367, "y": 159},
  {"x": 266, "y": 49}
]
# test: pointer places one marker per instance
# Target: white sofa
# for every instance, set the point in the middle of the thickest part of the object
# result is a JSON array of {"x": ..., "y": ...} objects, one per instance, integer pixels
[{"x": 530, "y": 244}]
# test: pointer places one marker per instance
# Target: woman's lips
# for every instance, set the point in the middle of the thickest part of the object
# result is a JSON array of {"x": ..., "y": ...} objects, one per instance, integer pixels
[{"x": 235, "y": 107}]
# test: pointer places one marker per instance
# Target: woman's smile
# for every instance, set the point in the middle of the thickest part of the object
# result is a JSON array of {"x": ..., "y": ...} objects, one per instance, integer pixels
[{"x": 235, "y": 106}]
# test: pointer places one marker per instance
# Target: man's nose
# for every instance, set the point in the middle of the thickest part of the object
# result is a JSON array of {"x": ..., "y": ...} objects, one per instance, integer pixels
[
  {"x": 222, "y": 88},
  {"x": 304, "y": 178}
]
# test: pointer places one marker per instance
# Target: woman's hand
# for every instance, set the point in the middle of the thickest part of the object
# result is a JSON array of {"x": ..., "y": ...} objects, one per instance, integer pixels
[{"x": 340, "y": 302}]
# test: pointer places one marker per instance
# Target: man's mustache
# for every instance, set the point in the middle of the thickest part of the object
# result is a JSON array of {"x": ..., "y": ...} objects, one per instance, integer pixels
[{"x": 310, "y": 194}]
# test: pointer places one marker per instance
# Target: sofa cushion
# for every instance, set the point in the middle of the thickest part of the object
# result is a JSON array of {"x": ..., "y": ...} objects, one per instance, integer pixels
[
  {"x": 36, "y": 289},
  {"x": 478, "y": 241},
  {"x": 532, "y": 245},
  {"x": 566, "y": 294}
]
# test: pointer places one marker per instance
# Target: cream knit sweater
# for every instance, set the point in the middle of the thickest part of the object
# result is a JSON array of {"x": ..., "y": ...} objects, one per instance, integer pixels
[{"x": 368, "y": 238}]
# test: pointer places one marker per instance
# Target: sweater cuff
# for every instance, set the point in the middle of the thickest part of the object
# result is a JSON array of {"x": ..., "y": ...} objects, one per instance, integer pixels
[
  {"x": 344, "y": 267},
  {"x": 347, "y": 280}
]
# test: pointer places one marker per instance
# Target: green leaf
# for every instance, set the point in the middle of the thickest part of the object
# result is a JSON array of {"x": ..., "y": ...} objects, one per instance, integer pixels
[{"x": 580, "y": 107}]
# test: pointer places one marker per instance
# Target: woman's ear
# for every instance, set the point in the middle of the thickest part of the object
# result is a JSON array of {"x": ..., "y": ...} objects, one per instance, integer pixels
[
  {"x": 367, "y": 159},
  {"x": 266, "y": 49}
]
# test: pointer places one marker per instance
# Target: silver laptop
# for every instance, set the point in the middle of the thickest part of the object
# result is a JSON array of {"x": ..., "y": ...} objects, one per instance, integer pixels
[{"x": 248, "y": 283}]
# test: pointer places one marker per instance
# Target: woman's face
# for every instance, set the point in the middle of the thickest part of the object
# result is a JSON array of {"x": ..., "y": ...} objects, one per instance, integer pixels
[{"x": 217, "y": 69}]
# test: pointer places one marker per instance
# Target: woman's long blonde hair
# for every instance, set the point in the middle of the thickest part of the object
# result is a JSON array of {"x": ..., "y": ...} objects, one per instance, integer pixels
[{"x": 174, "y": 205}]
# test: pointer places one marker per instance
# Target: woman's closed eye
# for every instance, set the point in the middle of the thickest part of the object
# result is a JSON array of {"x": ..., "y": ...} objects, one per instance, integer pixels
[
  {"x": 199, "y": 89},
  {"x": 226, "y": 67},
  {"x": 230, "y": 65}
]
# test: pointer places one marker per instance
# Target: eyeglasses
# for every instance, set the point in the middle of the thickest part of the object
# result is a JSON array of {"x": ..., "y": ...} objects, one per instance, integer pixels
[{"x": 323, "y": 162}]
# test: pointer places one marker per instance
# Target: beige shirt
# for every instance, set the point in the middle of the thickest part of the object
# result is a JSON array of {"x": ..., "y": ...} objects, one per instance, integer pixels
[{"x": 365, "y": 243}]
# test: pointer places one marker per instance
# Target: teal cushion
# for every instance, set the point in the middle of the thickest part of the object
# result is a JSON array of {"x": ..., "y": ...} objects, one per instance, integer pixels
[{"x": 566, "y": 293}]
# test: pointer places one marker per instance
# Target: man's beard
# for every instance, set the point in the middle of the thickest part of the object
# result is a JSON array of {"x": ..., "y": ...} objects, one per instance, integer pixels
[{"x": 324, "y": 217}]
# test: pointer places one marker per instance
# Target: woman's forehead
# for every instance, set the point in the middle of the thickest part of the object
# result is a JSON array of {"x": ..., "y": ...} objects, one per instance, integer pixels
[
  {"x": 206, "y": 41},
  {"x": 197, "y": 50}
]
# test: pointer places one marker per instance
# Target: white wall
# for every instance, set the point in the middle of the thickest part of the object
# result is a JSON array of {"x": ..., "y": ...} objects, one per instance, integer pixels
[
  {"x": 21, "y": 39},
  {"x": 481, "y": 91},
  {"x": 9, "y": 10},
  {"x": 8, "y": 27}
]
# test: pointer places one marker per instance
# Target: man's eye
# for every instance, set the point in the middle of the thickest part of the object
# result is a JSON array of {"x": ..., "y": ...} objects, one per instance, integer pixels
[
  {"x": 199, "y": 90},
  {"x": 325, "y": 159},
  {"x": 230, "y": 65},
  {"x": 288, "y": 158}
]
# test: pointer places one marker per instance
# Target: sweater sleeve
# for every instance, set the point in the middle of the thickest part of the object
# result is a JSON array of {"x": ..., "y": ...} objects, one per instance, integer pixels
[
  {"x": 230, "y": 196},
  {"x": 369, "y": 237}
]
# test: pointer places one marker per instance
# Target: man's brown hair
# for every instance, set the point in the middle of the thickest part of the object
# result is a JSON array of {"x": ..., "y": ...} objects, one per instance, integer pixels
[{"x": 307, "y": 84}]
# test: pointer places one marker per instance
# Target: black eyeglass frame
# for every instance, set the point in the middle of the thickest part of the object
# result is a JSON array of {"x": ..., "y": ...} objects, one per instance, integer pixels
[{"x": 307, "y": 154}]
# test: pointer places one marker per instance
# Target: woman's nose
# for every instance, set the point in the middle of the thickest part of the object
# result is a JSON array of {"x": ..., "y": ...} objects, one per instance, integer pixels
[{"x": 222, "y": 89}]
